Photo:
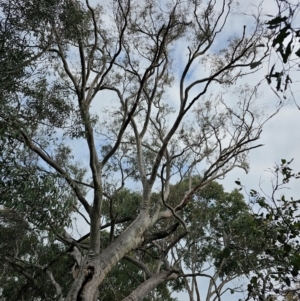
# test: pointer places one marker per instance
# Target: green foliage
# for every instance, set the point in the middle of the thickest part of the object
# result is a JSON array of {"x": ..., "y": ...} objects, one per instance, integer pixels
[
  {"x": 278, "y": 219},
  {"x": 123, "y": 278},
  {"x": 26, "y": 278},
  {"x": 41, "y": 106},
  {"x": 285, "y": 42},
  {"x": 124, "y": 203},
  {"x": 28, "y": 189},
  {"x": 222, "y": 231}
]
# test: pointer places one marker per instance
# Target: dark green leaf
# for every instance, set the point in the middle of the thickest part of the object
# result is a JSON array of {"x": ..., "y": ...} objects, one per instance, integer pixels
[
  {"x": 287, "y": 248},
  {"x": 287, "y": 281},
  {"x": 254, "y": 65},
  {"x": 288, "y": 52},
  {"x": 262, "y": 202},
  {"x": 226, "y": 252},
  {"x": 281, "y": 37},
  {"x": 295, "y": 272},
  {"x": 276, "y": 20}
]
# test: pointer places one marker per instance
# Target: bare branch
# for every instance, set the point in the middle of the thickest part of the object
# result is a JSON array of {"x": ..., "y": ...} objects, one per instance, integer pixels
[{"x": 139, "y": 265}]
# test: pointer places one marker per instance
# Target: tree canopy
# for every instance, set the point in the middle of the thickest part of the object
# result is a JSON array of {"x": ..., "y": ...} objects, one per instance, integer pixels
[{"x": 116, "y": 119}]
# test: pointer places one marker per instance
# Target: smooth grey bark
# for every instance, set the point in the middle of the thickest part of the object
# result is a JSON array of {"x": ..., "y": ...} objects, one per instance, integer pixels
[
  {"x": 146, "y": 287},
  {"x": 94, "y": 269}
]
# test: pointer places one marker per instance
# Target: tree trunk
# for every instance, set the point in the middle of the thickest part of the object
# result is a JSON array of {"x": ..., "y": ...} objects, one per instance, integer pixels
[{"x": 94, "y": 268}]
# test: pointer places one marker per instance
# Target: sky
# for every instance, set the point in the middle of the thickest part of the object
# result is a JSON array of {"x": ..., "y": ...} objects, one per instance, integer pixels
[{"x": 280, "y": 136}]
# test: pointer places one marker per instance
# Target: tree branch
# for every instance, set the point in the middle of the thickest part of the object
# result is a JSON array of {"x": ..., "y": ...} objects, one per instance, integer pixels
[{"x": 59, "y": 169}]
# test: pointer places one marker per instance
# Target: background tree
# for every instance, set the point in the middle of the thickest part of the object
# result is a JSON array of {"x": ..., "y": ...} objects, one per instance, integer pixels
[
  {"x": 224, "y": 243},
  {"x": 29, "y": 262},
  {"x": 121, "y": 54},
  {"x": 278, "y": 216}
]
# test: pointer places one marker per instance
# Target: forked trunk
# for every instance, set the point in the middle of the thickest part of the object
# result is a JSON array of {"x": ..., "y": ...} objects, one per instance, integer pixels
[{"x": 94, "y": 268}]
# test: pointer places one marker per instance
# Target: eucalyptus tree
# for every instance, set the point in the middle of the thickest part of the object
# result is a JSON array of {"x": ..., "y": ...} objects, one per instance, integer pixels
[
  {"x": 225, "y": 243},
  {"x": 108, "y": 103},
  {"x": 219, "y": 221}
]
